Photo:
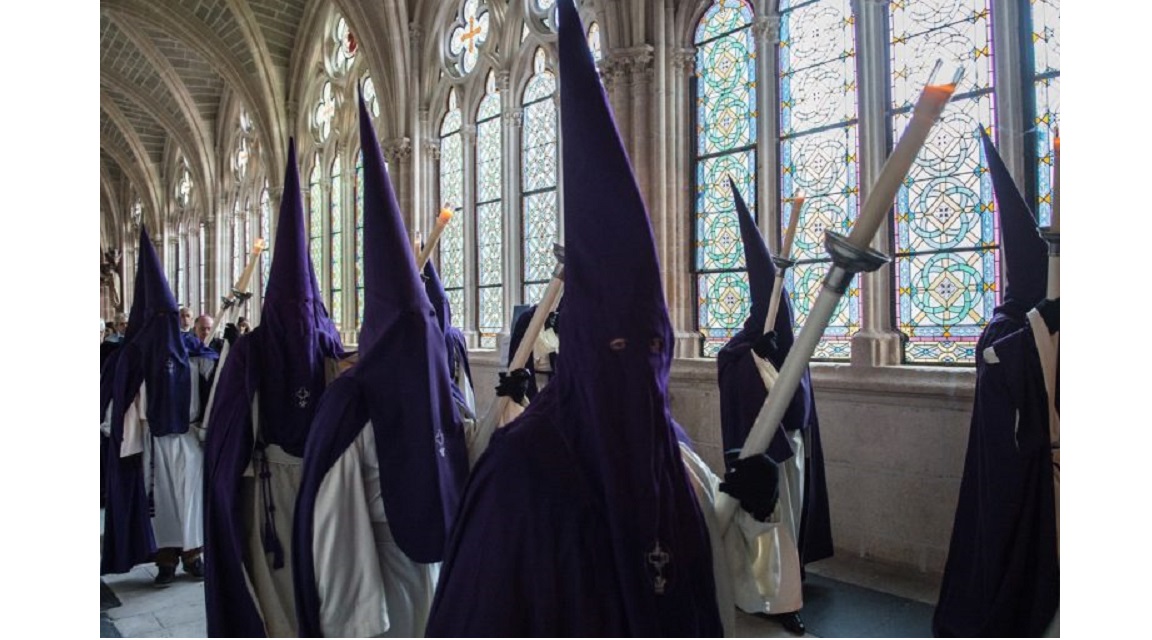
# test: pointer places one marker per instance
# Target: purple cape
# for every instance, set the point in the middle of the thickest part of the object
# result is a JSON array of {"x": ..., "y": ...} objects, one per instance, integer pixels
[
  {"x": 1002, "y": 573},
  {"x": 1002, "y": 578},
  {"x": 401, "y": 383},
  {"x": 152, "y": 353},
  {"x": 579, "y": 518},
  {"x": 742, "y": 392},
  {"x": 280, "y": 358},
  {"x": 454, "y": 341}
]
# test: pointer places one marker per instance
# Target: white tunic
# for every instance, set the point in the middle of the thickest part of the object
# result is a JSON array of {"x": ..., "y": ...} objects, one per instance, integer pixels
[{"x": 368, "y": 587}]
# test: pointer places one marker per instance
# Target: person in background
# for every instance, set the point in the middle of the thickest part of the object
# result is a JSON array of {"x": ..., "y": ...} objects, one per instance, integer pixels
[
  {"x": 185, "y": 319},
  {"x": 242, "y": 325}
]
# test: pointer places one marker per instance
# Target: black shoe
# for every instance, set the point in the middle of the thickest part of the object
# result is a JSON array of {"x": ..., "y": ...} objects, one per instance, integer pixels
[
  {"x": 790, "y": 621},
  {"x": 195, "y": 568},
  {"x": 164, "y": 575}
]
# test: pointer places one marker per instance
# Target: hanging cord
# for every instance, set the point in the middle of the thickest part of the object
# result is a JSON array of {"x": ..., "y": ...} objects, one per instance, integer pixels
[{"x": 270, "y": 539}]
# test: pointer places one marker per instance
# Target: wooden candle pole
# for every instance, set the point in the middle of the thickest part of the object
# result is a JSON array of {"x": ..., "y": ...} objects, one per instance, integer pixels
[
  {"x": 434, "y": 237},
  {"x": 786, "y": 254}
]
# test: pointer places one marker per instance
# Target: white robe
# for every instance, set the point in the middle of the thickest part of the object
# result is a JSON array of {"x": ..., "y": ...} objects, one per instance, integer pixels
[
  {"x": 746, "y": 564},
  {"x": 176, "y": 480},
  {"x": 368, "y": 586}
]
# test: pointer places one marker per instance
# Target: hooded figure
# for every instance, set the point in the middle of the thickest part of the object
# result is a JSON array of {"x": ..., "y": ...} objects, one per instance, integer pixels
[
  {"x": 803, "y": 533},
  {"x": 269, "y": 388},
  {"x": 386, "y": 458},
  {"x": 1002, "y": 577},
  {"x": 151, "y": 451},
  {"x": 455, "y": 344},
  {"x": 579, "y": 519}
]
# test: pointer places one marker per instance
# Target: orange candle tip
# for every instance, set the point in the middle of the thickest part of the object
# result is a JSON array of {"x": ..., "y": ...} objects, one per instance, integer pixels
[{"x": 445, "y": 216}]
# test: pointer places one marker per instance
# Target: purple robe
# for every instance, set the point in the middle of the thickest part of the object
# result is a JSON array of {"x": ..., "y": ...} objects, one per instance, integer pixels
[
  {"x": 579, "y": 518},
  {"x": 401, "y": 384},
  {"x": 151, "y": 353},
  {"x": 742, "y": 392},
  {"x": 283, "y": 360}
]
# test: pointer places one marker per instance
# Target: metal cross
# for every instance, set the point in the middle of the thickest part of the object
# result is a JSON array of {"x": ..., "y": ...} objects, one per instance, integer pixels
[
  {"x": 658, "y": 558},
  {"x": 302, "y": 397}
]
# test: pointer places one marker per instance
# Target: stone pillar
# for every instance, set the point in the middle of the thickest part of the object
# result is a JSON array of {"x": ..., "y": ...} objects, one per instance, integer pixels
[
  {"x": 471, "y": 314},
  {"x": 766, "y": 32},
  {"x": 679, "y": 277},
  {"x": 398, "y": 153},
  {"x": 877, "y": 343},
  {"x": 510, "y": 209}
]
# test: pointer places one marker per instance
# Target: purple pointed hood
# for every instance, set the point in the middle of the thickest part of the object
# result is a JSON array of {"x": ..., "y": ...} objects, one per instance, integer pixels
[
  {"x": 609, "y": 398},
  {"x": 453, "y": 338},
  {"x": 295, "y": 334},
  {"x": 159, "y": 357},
  {"x": 1025, "y": 252}
]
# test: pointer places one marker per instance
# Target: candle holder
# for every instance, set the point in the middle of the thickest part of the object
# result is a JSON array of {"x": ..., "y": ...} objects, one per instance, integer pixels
[
  {"x": 1053, "y": 240},
  {"x": 848, "y": 260}
]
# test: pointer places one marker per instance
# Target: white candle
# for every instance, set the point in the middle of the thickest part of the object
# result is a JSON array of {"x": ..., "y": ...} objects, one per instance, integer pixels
[
  {"x": 883, "y": 192},
  {"x": 785, "y": 252},
  {"x": 434, "y": 237}
]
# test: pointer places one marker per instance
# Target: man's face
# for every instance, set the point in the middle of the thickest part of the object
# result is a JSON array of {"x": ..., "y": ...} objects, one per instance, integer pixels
[
  {"x": 185, "y": 319},
  {"x": 120, "y": 327},
  {"x": 203, "y": 328}
]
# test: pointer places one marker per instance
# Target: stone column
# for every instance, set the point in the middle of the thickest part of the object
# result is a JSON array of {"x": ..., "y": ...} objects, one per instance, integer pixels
[
  {"x": 877, "y": 343},
  {"x": 398, "y": 153},
  {"x": 679, "y": 277},
  {"x": 766, "y": 31},
  {"x": 510, "y": 200},
  {"x": 471, "y": 313}
]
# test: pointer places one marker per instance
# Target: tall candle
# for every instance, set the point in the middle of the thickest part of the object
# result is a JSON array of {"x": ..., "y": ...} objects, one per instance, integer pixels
[
  {"x": 785, "y": 252},
  {"x": 883, "y": 192},
  {"x": 434, "y": 237}
]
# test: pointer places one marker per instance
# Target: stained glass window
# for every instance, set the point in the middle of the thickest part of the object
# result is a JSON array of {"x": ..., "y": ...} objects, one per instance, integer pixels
[
  {"x": 359, "y": 224},
  {"x": 182, "y": 270},
  {"x": 324, "y": 112},
  {"x": 544, "y": 14},
  {"x": 468, "y": 35},
  {"x": 594, "y": 41},
  {"x": 944, "y": 231},
  {"x": 184, "y": 185},
  {"x": 538, "y": 158},
  {"x": 725, "y": 147},
  {"x": 1045, "y": 41},
  {"x": 336, "y": 246},
  {"x": 370, "y": 98},
  {"x": 343, "y": 47},
  {"x": 202, "y": 245},
  {"x": 489, "y": 217},
  {"x": 237, "y": 239},
  {"x": 819, "y": 154},
  {"x": 451, "y": 245},
  {"x": 265, "y": 233},
  {"x": 316, "y": 219}
]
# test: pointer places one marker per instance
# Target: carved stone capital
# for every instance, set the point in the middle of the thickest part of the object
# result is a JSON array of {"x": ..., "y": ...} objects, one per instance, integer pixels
[
  {"x": 767, "y": 29},
  {"x": 432, "y": 148},
  {"x": 503, "y": 80},
  {"x": 397, "y": 150},
  {"x": 684, "y": 61},
  {"x": 614, "y": 70},
  {"x": 416, "y": 34},
  {"x": 514, "y": 117}
]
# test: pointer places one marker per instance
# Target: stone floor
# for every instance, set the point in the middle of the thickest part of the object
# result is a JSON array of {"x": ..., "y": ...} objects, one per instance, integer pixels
[{"x": 844, "y": 597}]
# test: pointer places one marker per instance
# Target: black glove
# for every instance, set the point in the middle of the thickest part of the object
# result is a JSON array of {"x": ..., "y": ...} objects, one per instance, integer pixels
[
  {"x": 766, "y": 345},
  {"x": 755, "y": 482},
  {"x": 514, "y": 384},
  {"x": 231, "y": 333},
  {"x": 553, "y": 321}
]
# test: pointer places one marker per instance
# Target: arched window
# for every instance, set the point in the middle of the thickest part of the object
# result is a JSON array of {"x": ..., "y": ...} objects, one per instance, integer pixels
[
  {"x": 944, "y": 231},
  {"x": 335, "y": 245},
  {"x": 202, "y": 243},
  {"x": 818, "y": 157},
  {"x": 489, "y": 216},
  {"x": 538, "y": 179},
  {"x": 359, "y": 225},
  {"x": 468, "y": 35},
  {"x": 265, "y": 233},
  {"x": 724, "y": 147},
  {"x": 594, "y": 41},
  {"x": 1044, "y": 35},
  {"x": 316, "y": 219},
  {"x": 237, "y": 244},
  {"x": 452, "y": 195}
]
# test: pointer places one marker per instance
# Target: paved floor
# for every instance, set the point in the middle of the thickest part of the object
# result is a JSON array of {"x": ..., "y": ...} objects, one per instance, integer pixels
[{"x": 844, "y": 598}]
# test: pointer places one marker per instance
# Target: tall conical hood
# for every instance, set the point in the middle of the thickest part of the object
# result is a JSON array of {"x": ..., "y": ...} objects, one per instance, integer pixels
[
  {"x": 1025, "y": 252},
  {"x": 403, "y": 376},
  {"x": 159, "y": 358},
  {"x": 761, "y": 272},
  {"x": 295, "y": 334},
  {"x": 392, "y": 284},
  {"x": 609, "y": 397}
]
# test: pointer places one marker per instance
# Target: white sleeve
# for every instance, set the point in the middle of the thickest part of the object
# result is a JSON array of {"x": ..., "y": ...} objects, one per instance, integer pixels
[{"x": 348, "y": 576}]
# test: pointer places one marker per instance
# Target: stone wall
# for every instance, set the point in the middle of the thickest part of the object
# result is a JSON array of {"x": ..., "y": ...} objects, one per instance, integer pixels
[{"x": 894, "y": 443}]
